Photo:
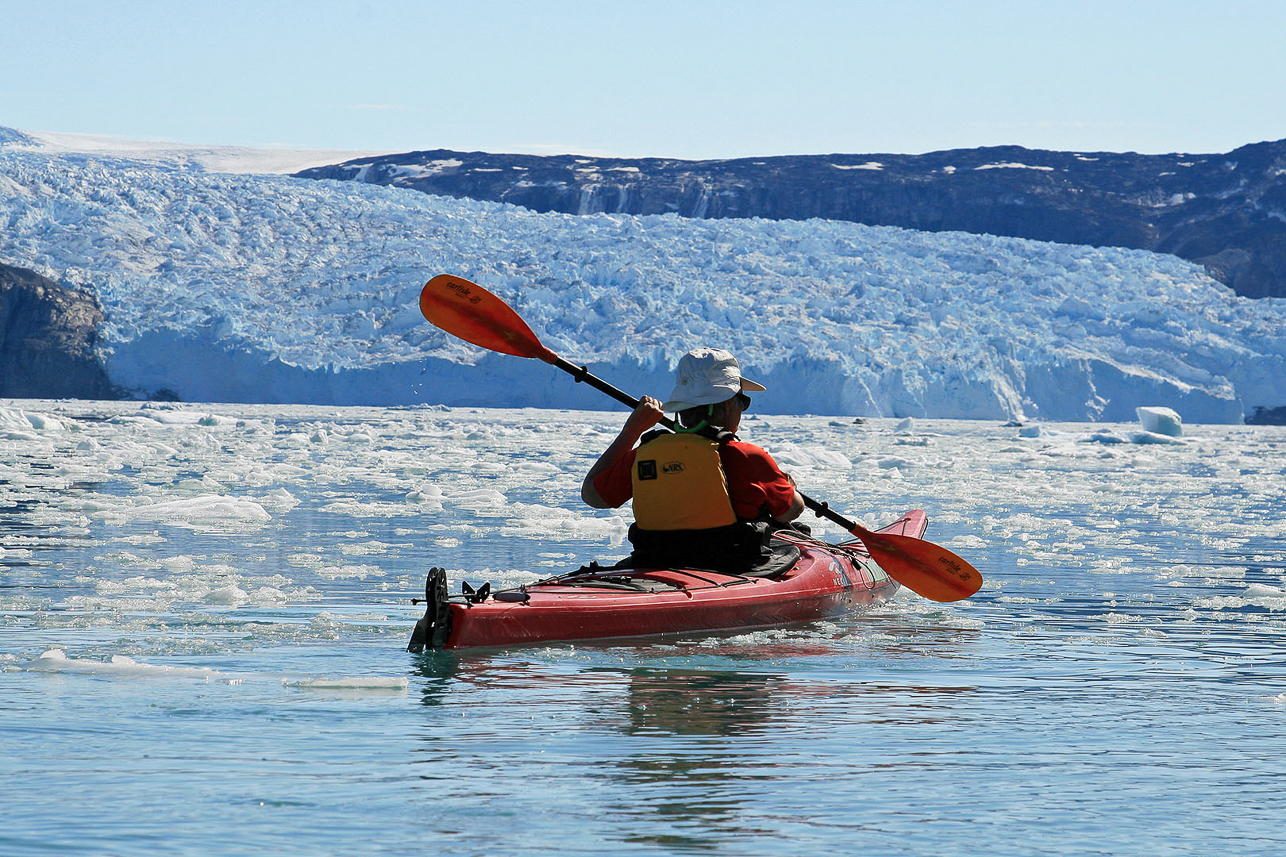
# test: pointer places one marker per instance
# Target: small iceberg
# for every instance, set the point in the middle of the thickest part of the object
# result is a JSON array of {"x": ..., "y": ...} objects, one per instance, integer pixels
[
  {"x": 1163, "y": 421},
  {"x": 1160, "y": 425}
]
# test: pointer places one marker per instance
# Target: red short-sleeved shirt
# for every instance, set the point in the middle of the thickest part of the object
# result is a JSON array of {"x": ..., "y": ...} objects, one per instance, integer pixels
[{"x": 754, "y": 480}]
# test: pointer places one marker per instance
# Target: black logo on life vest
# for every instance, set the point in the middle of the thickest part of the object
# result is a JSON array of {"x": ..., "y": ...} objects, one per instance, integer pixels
[
  {"x": 647, "y": 469},
  {"x": 672, "y": 467}
]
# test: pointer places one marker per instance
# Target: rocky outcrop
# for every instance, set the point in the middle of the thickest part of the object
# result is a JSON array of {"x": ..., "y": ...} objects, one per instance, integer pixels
[
  {"x": 1267, "y": 416},
  {"x": 1227, "y": 212},
  {"x": 47, "y": 337}
]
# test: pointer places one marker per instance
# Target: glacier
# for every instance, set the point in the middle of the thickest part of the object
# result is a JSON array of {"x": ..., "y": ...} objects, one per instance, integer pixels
[{"x": 264, "y": 288}]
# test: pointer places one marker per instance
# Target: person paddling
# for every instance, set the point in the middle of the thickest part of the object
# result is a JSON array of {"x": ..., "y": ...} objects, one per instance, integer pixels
[{"x": 702, "y": 498}]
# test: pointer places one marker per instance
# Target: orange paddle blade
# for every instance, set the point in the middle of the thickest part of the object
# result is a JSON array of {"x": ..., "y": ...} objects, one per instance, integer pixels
[
  {"x": 469, "y": 311},
  {"x": 923, "y": 567}
]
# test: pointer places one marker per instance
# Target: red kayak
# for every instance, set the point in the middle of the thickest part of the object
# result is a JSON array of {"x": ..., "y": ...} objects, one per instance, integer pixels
[{"x": 807, "y": 580}]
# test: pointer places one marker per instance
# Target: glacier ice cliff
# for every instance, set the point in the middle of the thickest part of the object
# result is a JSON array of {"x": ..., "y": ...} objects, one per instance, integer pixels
[{"x": 227, "y": 287}]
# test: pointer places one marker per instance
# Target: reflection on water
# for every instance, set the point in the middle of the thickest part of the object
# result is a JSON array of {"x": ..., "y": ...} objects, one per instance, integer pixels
[
  {"x": 673, "y": 757},
  {"x": 678, "y": 702},
  {"x": 691, "y": 786}
]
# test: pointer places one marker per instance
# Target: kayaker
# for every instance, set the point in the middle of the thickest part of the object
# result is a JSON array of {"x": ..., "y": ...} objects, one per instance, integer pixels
[{"x": 698, "y": 501}]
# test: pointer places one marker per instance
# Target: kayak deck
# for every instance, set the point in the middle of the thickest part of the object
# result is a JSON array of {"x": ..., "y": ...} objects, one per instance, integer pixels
[{"x": 808, "y": 580}]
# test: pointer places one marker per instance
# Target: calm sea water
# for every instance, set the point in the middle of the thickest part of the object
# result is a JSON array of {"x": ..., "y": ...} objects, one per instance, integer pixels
[{"x": 204, "y": 609}]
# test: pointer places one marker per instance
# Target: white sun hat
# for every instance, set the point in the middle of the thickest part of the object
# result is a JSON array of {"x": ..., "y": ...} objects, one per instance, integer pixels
[{"x": 707, "y": 376}]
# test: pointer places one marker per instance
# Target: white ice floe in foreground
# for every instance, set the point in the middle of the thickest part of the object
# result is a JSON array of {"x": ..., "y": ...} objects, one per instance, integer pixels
[
  {"x": 56, "y": 660},
  {"x": 266, "y": 288},
  {"x": 122, "y": 666}
]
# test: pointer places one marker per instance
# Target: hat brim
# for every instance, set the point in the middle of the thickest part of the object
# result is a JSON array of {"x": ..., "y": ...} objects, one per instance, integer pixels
[{"x": 747, "y": 386}]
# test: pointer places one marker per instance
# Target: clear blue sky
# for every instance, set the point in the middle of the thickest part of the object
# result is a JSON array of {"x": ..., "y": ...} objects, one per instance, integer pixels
[{"x": 656, "y": 78}]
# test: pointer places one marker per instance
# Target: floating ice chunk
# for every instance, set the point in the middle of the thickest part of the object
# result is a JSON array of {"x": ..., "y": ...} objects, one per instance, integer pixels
[
  {"x": 1263, "y": 595},
  {"x": 178, "y": 564},
  {"x": 174, "y": 416},
  {"x": 279, "y": 500},
  {"x": 12, "y": 418},
  {"x": 363, "y": 548},
  {"x": 204, "y": 512},
  {"x": 790, "y": 454},
  {"x": 1160, "y": 421},
  {"x": 907, "y": 425},
  {"x": 426, "y": 493},
  {"x": 347, "y": 572},
  {"x": 480, "y": 498},
  {"x": 540, "y": 522},
  {"x": 1153, "y": 437},
  {"x": 56, "y": 660},
  {"x": 18, "y": 424},
  {"x": 266, "y": 596},
  {"x": 373, "y": 509},
  {"x": 1256, "y": 595},
  {"x": 372, "y": 683},
  {"x": 1105, "y": 436},
  {"x": 1035, "y": 430},
  {"x": 536, "y": 468},
  {"x": 230, "y": 595},
  {"x": 895, "y": 463},
  {"x": 42, "y": 422}
]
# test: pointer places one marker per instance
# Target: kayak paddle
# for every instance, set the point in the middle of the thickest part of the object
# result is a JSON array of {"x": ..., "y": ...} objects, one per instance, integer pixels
[{"x": 472, "y": 313}]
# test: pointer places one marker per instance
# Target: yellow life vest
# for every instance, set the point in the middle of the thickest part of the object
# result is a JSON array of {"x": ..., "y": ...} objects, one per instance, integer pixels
[{"x": 679, "y": 484}]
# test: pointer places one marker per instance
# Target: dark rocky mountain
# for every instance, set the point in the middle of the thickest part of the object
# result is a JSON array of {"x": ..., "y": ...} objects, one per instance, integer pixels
[
  {"x": 1267, "y": 416},
  {"x": 1227, "y": 212},
  {"x": 47, "y": 337}
]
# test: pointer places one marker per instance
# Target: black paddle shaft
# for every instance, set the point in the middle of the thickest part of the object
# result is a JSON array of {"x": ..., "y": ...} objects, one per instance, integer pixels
[{"x": 583, "y": 375}]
